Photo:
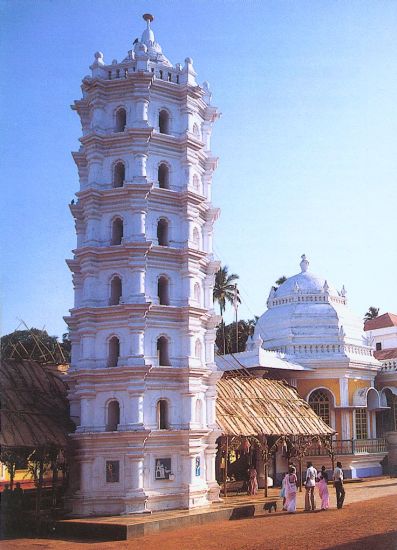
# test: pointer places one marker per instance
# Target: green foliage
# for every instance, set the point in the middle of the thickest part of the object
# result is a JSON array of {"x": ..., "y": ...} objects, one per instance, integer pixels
[
  {"x": 35, "y": 344},
  {"x": 372, "y": 313},
  {"x": 227, "y": 343},
  {"x": 224, "y": 288}
]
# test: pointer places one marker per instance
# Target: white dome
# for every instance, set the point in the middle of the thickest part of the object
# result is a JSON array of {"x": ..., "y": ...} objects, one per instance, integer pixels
[{"x": 306, "y": 315}]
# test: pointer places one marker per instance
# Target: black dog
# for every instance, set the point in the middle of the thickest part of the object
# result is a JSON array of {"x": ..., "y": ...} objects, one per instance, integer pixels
[{"x": 270, "y": 505}]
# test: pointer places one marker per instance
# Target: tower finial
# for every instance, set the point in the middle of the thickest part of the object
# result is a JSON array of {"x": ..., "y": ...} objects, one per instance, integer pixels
[
  {"x": 148, "y": 17},
  {"x": 304, "y": 263}
]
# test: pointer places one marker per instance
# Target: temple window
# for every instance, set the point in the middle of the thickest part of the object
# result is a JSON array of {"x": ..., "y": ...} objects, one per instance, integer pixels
[
  {"x": 113, "y": 351},
  {"x": 320, "y": 403},
  {"x": 378, "y": 346},
  {"x": 121, "y": 118},
  {"x": 164, "y": 122},
  {"x": 113, "y": 416},
  {"x": 163, "y": 175},
  {"x": 118, "y": 174},
  {"x": 162, "y": 232},
  {"x": 361, "y": 423},
  {"x": 115, "y": 291},
  {"x": 117, "y": 231},
  {"x": 162, "y": 414},
  {"x": 162, "y": 351},
  {"x": 163, "y": 291}
]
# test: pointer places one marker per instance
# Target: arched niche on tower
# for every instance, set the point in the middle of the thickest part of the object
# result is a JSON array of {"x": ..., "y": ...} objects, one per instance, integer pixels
[
  {"x": 163, "y": 289},
  {"x": 112, "y": 410},
  {"x": 164, "y": 121},
  {"x": 120, "y": 119},
  {"x": 115, "y": 290}
]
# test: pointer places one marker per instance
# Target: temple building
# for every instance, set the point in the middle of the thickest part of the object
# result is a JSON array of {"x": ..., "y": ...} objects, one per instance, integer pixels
[
  {"x": 382, "y": 335},
  {"x": 143, "y": 376},
  {"x": 309, "y": 337}
]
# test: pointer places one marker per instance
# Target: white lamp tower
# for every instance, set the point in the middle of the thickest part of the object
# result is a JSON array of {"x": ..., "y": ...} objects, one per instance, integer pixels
[{"x": 143, "y": 376}]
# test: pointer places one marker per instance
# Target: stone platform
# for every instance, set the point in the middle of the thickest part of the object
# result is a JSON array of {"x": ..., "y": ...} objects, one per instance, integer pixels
[
  {"x": 232, "y": 507},
  {"x": 131, "y": 526}
]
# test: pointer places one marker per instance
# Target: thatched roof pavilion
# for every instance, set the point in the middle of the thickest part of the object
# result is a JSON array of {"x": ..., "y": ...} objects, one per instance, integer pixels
[
  {"x": 250, "y": 406},
  {"x": 34, "y": 408}
]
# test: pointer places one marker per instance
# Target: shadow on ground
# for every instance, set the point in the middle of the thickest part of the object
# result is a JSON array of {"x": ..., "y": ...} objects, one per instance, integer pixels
[{"x": 386, "y": 541}]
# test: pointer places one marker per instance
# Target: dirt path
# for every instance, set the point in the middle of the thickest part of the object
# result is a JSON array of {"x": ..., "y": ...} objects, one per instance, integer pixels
[{"x": 365, "y": 525}]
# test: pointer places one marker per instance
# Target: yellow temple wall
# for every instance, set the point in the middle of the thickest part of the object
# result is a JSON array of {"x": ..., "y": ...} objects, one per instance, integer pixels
[
  {"x": 306, "y": 386},
  {"x": 354, "y": 385}
]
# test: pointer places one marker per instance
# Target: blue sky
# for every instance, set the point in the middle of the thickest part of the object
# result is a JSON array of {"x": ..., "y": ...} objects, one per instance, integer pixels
[{"x": 306, "y": 142}]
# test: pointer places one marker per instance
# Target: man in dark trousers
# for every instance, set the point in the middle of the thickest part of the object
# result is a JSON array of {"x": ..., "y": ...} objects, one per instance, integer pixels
[{"x": 338, "y": 484}]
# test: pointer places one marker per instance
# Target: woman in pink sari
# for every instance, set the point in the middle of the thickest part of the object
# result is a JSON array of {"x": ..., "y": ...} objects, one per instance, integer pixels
[
  {"x": 323, "y": 488},
  {"x": 290, "y": 490}
]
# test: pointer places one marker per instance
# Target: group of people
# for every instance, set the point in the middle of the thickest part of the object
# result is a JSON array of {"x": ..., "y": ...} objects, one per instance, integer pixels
[{"x": 313, "y": 479}]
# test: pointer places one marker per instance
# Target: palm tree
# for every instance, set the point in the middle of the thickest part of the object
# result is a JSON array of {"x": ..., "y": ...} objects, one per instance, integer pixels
[
  {"x": 280, "y": 281},
  {"x": 371, "y": 313},
  {"x": 224, "y": 291},
  {"x": 224, "y": 288}
]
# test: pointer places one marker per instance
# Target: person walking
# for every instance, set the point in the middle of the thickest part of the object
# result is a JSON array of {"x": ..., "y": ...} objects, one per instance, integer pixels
[
  {"x": 338, "y": 484},
  {"x": 290, "y": 490},
  {"x": 311, "y": 475},
  {"x": 323, "y": 488}
]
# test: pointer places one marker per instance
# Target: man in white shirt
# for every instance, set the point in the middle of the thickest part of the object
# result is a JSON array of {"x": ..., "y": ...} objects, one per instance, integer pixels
[
  {"x": 338, "y": 484},
  {"x": 311, "y": 475}
]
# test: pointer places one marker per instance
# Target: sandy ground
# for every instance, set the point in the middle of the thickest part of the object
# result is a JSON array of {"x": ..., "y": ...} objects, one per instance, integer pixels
[{"x": 363, "y": 524}]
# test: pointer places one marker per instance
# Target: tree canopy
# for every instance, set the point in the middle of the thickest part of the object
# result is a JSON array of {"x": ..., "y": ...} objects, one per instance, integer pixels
[
  {"x": 372, "y": 313},
  {"x": 37, "y": 345}
]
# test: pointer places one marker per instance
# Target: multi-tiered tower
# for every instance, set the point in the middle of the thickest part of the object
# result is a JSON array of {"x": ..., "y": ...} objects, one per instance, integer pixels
[{"x": 143, "y": 380}]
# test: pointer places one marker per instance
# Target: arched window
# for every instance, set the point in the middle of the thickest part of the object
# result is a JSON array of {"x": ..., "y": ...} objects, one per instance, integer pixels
[
  {"x": 196, "y": 238},
  {"x": 118, "y": 174},
  {"x": 320, "y": 403},
  {"x": 117, "y": 231},
  {"x": 197, "y": 292},
  {"x": 164, "y": 122},
  {"x": 113, "y": 416},
  {"x": 121, "y": 120},
  {"x": 198, "y": 349},
  {"x": 163, "y": 291},
  {"x": 162, "y": 232},
  {"x": 162, "y": 414},
  {"x": 389, "y": 416},
  {"x": 162, "y": 352},
  {"x": 115, "y": 291},
  {"x": 163, "y": 176},
  {"x": 113, "y": 351}
]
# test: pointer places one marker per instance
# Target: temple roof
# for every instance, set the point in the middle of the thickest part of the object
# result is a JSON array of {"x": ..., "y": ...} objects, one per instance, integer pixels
[
  {"x": 34, "y": 406},
  {"x": 382, "y": 321},
  {"x": 307, "y": 315},
  {"x": 253, "y": 406}
]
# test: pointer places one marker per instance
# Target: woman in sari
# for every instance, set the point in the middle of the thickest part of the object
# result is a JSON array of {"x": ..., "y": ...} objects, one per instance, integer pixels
[
  {"x": 323, "y": 488},
  {"x": 290, "y": 490},
  {"x": 252, "y": 481}
]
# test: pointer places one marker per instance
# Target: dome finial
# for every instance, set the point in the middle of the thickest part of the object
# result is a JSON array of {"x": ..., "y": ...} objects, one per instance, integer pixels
[{"x": 304, "y": 263}]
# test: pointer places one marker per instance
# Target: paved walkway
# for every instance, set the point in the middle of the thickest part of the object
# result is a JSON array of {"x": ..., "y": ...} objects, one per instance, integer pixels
[
  {"x": 368, "y": 521},
  {"x": 355, "y": 492}
]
